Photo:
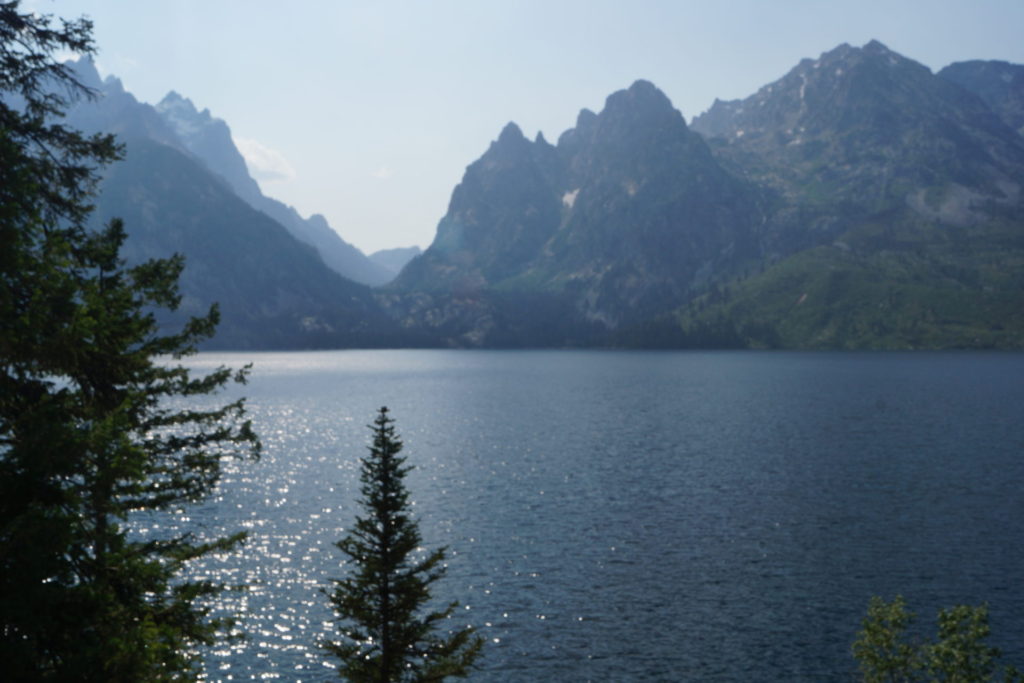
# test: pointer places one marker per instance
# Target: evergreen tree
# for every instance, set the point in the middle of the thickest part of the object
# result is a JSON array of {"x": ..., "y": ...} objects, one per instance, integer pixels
[
  {"x": 379, "y": 603},
  {"x": 92, "y": 432}
]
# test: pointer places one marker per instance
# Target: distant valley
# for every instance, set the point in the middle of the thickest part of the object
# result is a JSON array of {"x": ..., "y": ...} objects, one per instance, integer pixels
[{"x": 859, "y": 202}]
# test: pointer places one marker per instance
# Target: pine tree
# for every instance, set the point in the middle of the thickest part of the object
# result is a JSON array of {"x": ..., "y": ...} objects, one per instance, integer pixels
[
  {"x": 92, "y": 432},
  {"x": 378, "y": 604}
]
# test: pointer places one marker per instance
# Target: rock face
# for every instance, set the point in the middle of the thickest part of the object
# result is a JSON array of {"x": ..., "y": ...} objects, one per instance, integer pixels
[
  {"x": 860, "y": 201},
  {"x": 209, "y": 139},
  {"x": 999, "y": 84},
  {"x": 896, "y": 217},
  {"x": 861, "y": 131},
  {"x": 274, "y": 291},
  {"x": 625, "y": 217},
  {"x": 883, "y": 198}
]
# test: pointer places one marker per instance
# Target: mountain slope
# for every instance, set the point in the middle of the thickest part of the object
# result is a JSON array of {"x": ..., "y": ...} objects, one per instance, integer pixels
[
  {"x": 999, "y": 84},
  {"x": 966, "y": 293},
  {"x": 860, "y": 201},
  {"x": 395, "y": 259},
  {"x": 898, "y": 219},
  {"x": 627, "y": 216},
  {"x": 273, "y": 291},
  {"x": 860, "y": 131},
  {"x": 209, "y": 139}
]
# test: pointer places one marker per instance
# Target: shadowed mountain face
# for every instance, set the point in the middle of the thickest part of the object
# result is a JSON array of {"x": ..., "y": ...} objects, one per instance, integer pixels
[
  {"x": 896, "y": 218},
  {"x": 274, "y": 291},
  {"x": 863, "y": 131},
  {"x": 885, "y": 199},
  {"x": 626, "y": 216},
  {"x": 209, "y": 139},
  {"x": 860, "y": 201},
  {"x": 999, "y": 84}
]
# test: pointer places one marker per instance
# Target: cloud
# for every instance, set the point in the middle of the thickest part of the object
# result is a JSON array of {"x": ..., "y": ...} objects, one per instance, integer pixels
[
  {"x": 264, "y": 163},
  {"x": 382, "y": 173}
]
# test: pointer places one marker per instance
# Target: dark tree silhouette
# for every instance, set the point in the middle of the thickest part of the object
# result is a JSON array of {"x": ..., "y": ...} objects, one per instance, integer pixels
[
  {"x": 378, "y": 604},
  {"x": 92, "y": 428}
]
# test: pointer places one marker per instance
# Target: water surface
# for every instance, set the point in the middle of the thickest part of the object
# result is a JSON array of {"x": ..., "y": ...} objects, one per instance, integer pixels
[{"x": 637, "y": 516}]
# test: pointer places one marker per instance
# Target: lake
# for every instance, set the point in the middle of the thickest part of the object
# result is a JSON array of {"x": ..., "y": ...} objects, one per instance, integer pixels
[{"x": 616, "y": 516}]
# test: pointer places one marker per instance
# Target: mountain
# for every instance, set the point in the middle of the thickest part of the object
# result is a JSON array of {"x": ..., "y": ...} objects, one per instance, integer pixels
[
  {"x": 274, "y": 291},
  {"x": 999, "y": 84},
  {"x": 896, "y": 217},
  {"x": 862, "y": 131},
  {"x": 628, "y": 215},
  {"x": 209, "y": 139},
  {"x": 860, "y": 201},
  {"x": 115, "y": 110},
  {"x": 395, "y": 259}
]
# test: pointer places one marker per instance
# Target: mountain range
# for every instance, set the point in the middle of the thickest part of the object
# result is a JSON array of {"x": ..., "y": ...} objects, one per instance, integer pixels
[
  {"x": 860, "y": 201},
  {"x": 181, "y": 189}
]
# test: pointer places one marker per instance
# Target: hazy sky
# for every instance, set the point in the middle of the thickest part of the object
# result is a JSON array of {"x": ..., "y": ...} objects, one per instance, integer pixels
[{"x": 369, "y": 111}]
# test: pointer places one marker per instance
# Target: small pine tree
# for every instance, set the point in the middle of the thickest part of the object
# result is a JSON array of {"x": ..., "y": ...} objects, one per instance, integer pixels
[{"x": 378, "y": 605}]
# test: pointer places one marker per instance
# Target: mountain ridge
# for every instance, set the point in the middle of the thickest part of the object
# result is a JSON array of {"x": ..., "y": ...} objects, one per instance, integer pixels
[
  {"x": 274, "y": 290},
  {"x": 858, "y": 201},
  {"x": 849, "y": 158},
  {"x": 209, "y": 138},
  {"x": 590, "y": 221}
]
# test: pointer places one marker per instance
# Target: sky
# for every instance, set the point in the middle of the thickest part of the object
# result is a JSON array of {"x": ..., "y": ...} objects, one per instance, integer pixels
[{"x": 369, "y": 111}]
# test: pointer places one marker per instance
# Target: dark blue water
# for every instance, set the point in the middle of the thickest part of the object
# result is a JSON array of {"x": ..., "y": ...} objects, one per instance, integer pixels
[{"x": 638, "y": 516}]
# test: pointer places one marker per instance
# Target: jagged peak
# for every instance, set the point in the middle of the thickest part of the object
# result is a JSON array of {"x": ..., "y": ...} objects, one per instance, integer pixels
[
  {"x": 871, "y": 52},
  {"x": 174, "y": 99},
  {"x": 85, "y": 70},
  {"x": 642, "y": 93},
  {"x": 585, "y": 118},
  {"x": 643, "y": 87},
  {"x": 180, "y": 107},
  {"x": 541, "y": 140},
  {"x": 840, "y": 50},
  {"x": 876, "y": 47},
  {"x": 113, "y": 84},
  {"x": 642, "y": 98},
  {"x": 510, "y": 133}
]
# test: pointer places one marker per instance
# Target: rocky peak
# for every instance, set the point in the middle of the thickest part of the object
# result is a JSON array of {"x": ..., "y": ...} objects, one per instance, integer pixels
[
  {"x": 185, "y": 117},
  {"x": 511, "y": 147},
  {"x": 85, "y": 70},
  {"x": 640, "y": 104},
  {"x": 1000, "y": 84},
  {"x": 175, "y": 102},
  {"x": 510, "y": 134},
  {"x": 638, "y": 135},
  {"x": 585, "y": 122},
  {"x": 846, "y": 86},
  {"x": 875, "y": 47},
  {"x": 585, "y": 119}
]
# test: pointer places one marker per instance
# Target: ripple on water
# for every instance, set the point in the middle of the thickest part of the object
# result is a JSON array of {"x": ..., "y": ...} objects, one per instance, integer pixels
[{"x": 618, "y": 516}]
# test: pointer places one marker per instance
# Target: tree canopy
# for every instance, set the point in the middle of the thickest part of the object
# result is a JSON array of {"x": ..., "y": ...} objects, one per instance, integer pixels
[
  {"x": 385, "y": 637},
  {"x": 98, "y": 422},
  {"x": 959, "y": 654}
]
